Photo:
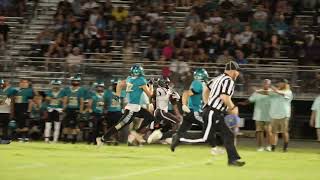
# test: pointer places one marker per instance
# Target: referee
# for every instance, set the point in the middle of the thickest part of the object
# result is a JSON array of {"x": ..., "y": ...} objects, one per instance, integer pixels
[{"x": 219, "y": 91}]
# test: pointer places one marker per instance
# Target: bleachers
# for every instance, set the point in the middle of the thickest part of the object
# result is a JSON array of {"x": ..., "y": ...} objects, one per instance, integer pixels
[{"x": 19, "y": 64}]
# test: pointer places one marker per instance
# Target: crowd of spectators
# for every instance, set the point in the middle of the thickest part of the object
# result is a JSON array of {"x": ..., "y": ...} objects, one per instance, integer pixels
[
  {"x": 214, "y": 31},
  {"x": 13, "y": 7}
]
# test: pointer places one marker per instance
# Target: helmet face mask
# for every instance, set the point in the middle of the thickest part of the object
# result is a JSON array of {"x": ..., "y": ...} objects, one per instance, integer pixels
[
  {"x": 75, "y": 82},
  {"x": 100, "y": 88},
  {"x": 200, "y": 74},
  {"x": 137, "y": 70},
  {"x": 164, "y": 82}
]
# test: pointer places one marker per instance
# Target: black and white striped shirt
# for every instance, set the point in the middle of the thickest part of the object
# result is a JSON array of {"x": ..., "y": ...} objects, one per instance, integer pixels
[{"x": 222, "y": 84}]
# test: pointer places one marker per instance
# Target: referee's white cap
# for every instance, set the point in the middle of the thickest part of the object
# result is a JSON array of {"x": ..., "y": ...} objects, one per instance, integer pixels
[{"x": 232, "y": 65}]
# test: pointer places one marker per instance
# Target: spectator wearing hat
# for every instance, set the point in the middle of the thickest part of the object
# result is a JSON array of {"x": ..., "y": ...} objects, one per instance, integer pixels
[{"x": 280, "y": 112}]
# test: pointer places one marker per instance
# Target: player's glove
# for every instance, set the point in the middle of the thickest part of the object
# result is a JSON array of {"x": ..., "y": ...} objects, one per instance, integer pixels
[
  {"x": 151, "y": 81},
  {"x": 186, "y": 109},
  {"x": 175, "y": 95}
]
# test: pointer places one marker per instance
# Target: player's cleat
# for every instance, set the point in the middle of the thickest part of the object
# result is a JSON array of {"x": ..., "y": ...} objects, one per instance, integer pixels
[
  {"x": 168, "y": 140},
  {"x": 175, "y": 142},
  {"x": 217, "y": 151},
  {"x": 155, "y": 136},
  {"x": 260, "y": 149},
  {"x": 99, "y": 141},
  {"x": 268, "y": 148},
  {"x": 236, "y": 163},
  {"x": 285, "y": 150}
]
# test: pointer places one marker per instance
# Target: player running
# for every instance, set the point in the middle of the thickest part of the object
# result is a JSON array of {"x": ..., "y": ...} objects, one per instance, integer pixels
[
  {"x": 135, "y": 85},
  {"x": 167, "y": 121}
]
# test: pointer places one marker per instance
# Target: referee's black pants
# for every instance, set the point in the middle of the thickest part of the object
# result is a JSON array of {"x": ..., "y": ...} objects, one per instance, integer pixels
[{"x": 214, "y": 122}]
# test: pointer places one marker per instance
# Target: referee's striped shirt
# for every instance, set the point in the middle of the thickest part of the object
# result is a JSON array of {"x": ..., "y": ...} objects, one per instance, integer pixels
[{"x": 222, "y": 84}]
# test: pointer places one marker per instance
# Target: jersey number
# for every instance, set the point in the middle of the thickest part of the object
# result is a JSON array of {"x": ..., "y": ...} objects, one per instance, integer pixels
[{"x": 129, "y": 87}]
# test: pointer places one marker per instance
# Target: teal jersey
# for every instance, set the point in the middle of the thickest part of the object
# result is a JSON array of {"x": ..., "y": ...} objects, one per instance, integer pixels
[
  {"x": 74, "y": 96},
  {"x": 56, "y": 99},
  {"x": 195, "y": 101},
  {"x": 22, "y": 95},
  {"x": 113, "y": 102},
  {"x": 37, "y": 111},
  {"x": 98, "y": 102},
  {"x": 5, "y": 93},
  {"x": 134, "y": 89}
]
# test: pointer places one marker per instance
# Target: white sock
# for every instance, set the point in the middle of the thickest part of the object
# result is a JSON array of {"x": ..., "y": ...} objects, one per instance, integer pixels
[
  {"x": 47, "y": 131},
  {"x": 56, "y": 133}
]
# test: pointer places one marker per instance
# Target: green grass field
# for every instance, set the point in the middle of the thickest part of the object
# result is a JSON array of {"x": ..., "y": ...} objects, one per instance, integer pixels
[{"x": 33, "y": 161}]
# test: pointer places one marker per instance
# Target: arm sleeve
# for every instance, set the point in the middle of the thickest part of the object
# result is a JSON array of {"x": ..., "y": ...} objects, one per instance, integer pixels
[
  {"x": 227, "y": 87},
  {"x": 252, "y": 98},
  {"x": 142, "y": 82}
]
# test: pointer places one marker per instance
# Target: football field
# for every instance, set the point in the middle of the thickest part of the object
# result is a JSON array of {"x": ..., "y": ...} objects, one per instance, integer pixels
[{"x": 35, "y": 161}]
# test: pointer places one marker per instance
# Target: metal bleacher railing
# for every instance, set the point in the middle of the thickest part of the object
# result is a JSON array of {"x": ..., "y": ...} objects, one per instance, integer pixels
[{"x": 42, "y": 69}]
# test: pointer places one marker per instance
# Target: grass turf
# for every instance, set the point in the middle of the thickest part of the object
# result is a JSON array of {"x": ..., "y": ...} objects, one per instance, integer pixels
[{"x": 35, "y": 161}]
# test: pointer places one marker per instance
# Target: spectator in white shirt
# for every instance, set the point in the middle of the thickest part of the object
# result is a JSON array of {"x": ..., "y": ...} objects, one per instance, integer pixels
[{"x": 74, "y": 60}]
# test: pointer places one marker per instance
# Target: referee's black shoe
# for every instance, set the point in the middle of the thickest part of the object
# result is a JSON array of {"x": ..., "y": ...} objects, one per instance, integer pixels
[
  {"x": 236, "y": 163},
  {"x": 5, "y": 141},
  {"x": 175, "y": 142}
]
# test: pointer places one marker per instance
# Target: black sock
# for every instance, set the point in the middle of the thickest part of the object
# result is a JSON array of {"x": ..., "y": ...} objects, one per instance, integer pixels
[
  {"x": 65, "y": 137},
  {"x": 109, "y": 133},
  {"x": 74, "y": 139},
  {"x": 285, "y": 146},
  {"x": 273, "y": 147}
]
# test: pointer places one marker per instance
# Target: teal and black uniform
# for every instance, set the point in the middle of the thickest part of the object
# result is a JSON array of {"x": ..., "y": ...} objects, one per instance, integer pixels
[
  {"x": 134, "y": 91},
  {"x": 74, "y": 96},
  {"x": 21, "y": 102},
  {"x": 114, "y": 108},
  {"x": 98, "y": 100},
  {"x": 37, "y": 111},
  {"x": 55, "y": 105},
  {"x": 195, "y": 104}
]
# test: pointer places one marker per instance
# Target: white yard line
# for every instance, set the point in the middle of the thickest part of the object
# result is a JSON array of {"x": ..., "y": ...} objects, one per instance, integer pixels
[
  {"x": 31, "y": 166},
  {"x": 149, "y": 171}
]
